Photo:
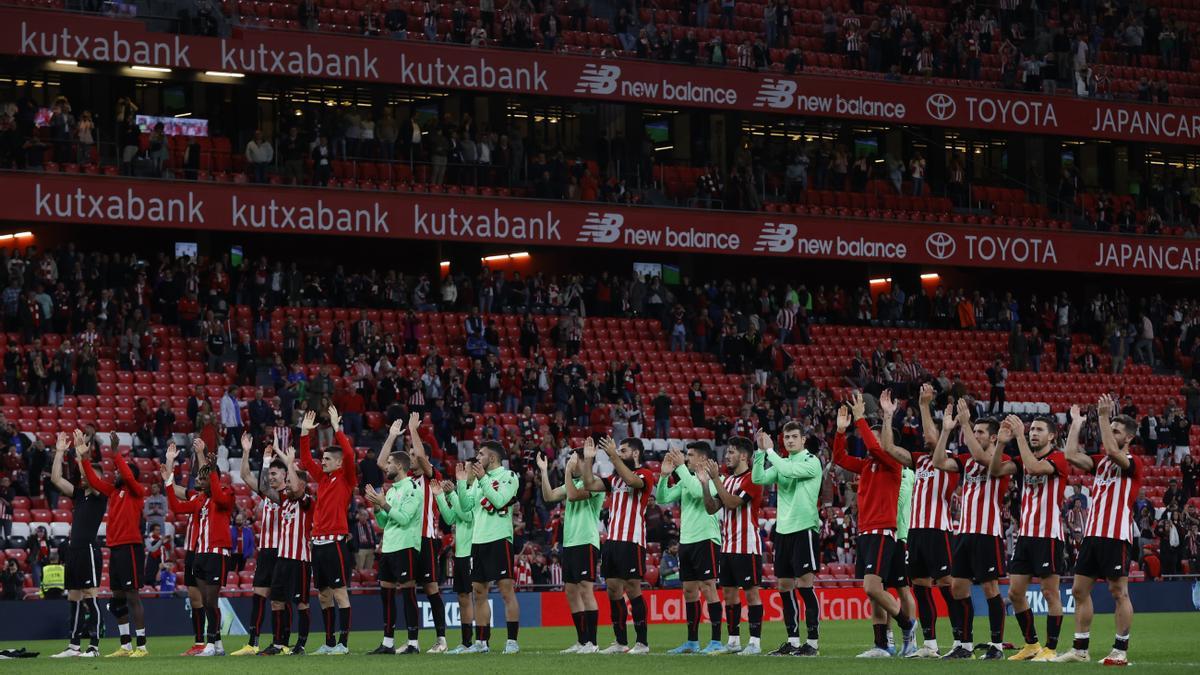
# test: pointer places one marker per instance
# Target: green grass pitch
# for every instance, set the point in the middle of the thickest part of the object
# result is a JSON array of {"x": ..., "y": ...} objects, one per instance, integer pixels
[{"x": 1160, "y": 643}]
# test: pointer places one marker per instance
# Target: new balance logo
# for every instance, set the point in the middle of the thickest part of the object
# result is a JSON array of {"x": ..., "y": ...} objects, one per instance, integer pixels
[
  {"x": 775, "y": 94},
  {"x": 601, "y": 228},
  {"x": 991, "y": 569},
  {"x": 598, "y": 79},
  {"x": 776, "y": 237}
]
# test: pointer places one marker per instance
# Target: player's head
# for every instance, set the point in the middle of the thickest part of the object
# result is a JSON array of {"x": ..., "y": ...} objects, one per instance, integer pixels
[
  {"x": 331, "y": 459},
  {"x": 630, "y": 451},
  {"x": 699, "y": 452},
  {"x": 985, "y": 429},
  {"x": 120, "y": 482},
  {"x": 398, "y": 464},
  {"x": 204, "y": 478},
  {"x": 793, "y": 437},
  {"x": 1124, "y": 430},
  {"x": 1042, "y": 432},
  {"x": 276, "y": 475},
  {"x": 490, "y": 454},
  {"x": 738, "y": 453}
]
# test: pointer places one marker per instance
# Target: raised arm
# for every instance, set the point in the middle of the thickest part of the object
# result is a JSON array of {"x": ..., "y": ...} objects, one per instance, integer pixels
[
  {"x": 551, "y": 495},
  {"x": 591, "y": 484},
  {"x": 663, "y": 493},
  {"x": 711, "y": 503},
  {"x": 82, "y": 449},
  {"x": 244, "y": 468},
  {"x": 928, "y": 428},
  {"x": 858, "y": 409},
  {"x": 131, "y": 482},
  {"x": 417, "y": 447},
  {"x": 1104, "y": 409},
  {"x": 631, "y": 478},
  {"x": 60, "y": 449},
  {"x": 222, "y": 496},
  {"x": 978, "y": 452},
  {"x": 1075, "y": 456},
  {"x": 939, "y": 458},
  {"x": 446, "y": 504},
  {"x": 840, "y": 456},
  {"x": 759, "y": 473},
  {"x": 307, "y": 424},
  {"x": 349, "y": 459},
  {"x": 886, "y": 436},
  {"x": 1010, "y": 427},
  {"x": 389, "y": 443}
]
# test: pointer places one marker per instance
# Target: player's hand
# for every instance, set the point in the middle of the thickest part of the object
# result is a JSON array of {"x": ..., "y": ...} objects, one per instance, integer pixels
[
  {"x": 572, "y": 462},
  {"x": 247, "y": 443},
  {"x": 1104, "y": 406},
  {"x": 543, "y": 463},
  {"x": 886, "y": 404},
  {"x": 702, "y": 474},
  {"x": 764, "y": 441},
  {"x": 268, "y": 453},
  {"x": 335, "y": 420},
  {"x": 667, "y": 466},
  {"x": 309, "y": 421},
  {"x": 396, "y": 429},
  {"x": 477, "y": 470},
  {"x": 843, "y": 419},
  {"x": 1006, "y": 432},
  {"x": 609, "y": 446},
  {"x": 949, "y": 421},
  {"x": 1077, "y": 415},
  {"x": 1018, "y": 427},
  {"x": 62, "y": 443},
  {"x": 589, "y": 448},
  {"x": 963, "y": 413},
  {"x": 447, "y": 486},
  {"x": 372, "y": 496},
  {"x": 858, "y": 407},
  {"x": 926, "y": 396},
  {"x": 414, "y": 422},
  {"x": 460, "y": 471},
  {"x": 172, "y": 452},
  {"x": 435, "y": 487},
  {"x": 288, "y": 455},
  {"x": 713, "y": 469},
  {"x": 79, "y": 441},
  {"x": 114, "y": 443},
  {"x": 198, "y": 446}
]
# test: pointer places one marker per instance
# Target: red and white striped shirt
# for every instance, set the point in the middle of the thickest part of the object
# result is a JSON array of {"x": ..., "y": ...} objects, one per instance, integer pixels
[
  {"x": 981, "y": 496},
  {"x": 853, "y": 41},
  {"x": 1113, "y": 492},
  {"x": 429, "y": 513},
  {"x": 931, "y": 495},
  {"x": 189, "y": 535},
  {"x": 1041, "y": 499},
  {"x": 739, "y": 527},
  {"x": 627, "y": 512},
  {"x": 295, "y": 528},
  {"x": 211, "y": 515},
  {"x": 268, "y": 525}
]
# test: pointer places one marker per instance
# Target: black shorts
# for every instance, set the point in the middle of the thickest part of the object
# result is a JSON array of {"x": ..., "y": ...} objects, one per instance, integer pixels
[
  {"x": 398, "y": 567},
  {"x": 211, "y": 568},
  {"x": 698, "y": 561},
  {"x": 579, "y": 563},
  {"x": 978, "y": 557},
  {"x": 897, "y": 573},
  {"x": 264, "y": 566},
  {"x": 875, "y": 553},
  {"x": 83, "y": 567},
  {"x": 427, "y": 562},
  {"x": 491, "y": 561},
  {"x": 928, "y": 553},
  {"x": 126, "y": 565},
  {"x": 740, "y": 570},
  {"x": 622, "y": 560},
  {"x": 462, "y": 575},
  {"x": 331, "y": 564},
  {"x": 1103, "y": 558},
  {"x": 796, "y": 554},
  {"x": 1038, "y": 557},
  {"x": 290, "y": 582},
  {"x": 189, "y": 577}
]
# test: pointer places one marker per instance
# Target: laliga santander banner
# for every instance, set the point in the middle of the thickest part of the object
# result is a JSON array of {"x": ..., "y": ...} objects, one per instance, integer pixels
[
  {"x": 662, "y": 606},
  {"x": 101, "y": 200},
  {"x": 60, "y": 35}
]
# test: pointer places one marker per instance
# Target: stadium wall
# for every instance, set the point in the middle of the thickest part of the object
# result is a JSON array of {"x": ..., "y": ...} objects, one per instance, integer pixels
[{"x": 48, "y": 619}]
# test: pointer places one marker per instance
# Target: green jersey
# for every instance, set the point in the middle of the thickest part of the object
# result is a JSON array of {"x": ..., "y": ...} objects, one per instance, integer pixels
[
  {"x": 696, "y": 523},
  {"x": 797, "y": 479},
  {"x": 463, "y": 520},
  {"x": 401, "y": 523},
  {"x": 491, "y": 497},
  {"x": 581, "y": 519},
  {"x": 904, "y": 505}
]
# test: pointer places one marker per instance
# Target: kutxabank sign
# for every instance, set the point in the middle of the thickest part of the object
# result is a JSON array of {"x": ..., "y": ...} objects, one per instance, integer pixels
[
  {"x": 417, "y": 63},
  {"x": 101, "y": 200}
]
